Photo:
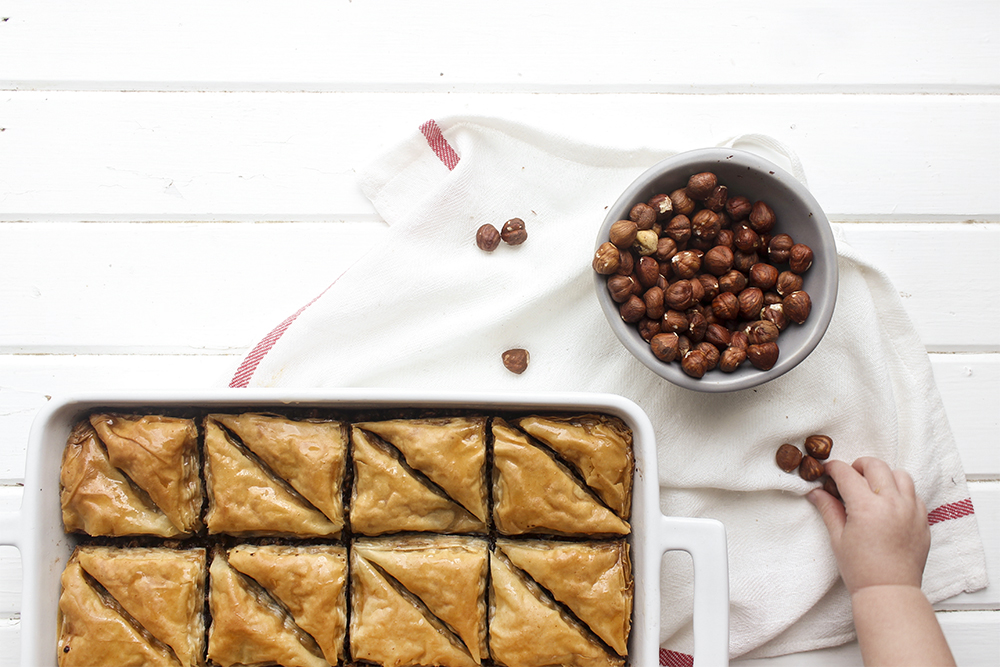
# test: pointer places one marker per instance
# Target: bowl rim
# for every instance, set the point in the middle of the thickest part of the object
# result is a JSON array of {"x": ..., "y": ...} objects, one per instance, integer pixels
[{"x": 823, "y": 306}]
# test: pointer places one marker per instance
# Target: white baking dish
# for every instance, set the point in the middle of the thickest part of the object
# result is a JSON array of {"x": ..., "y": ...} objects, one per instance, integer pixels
[{"x": 38, "y": 532}]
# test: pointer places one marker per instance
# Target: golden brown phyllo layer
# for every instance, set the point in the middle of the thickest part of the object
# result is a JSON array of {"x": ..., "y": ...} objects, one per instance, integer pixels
[{"x": 252, "y": 538}]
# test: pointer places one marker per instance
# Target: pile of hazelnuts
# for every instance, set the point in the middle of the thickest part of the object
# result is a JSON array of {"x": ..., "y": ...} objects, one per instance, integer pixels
[
  {"x": 705, "y": 278},
  {"x": 809, "y": 465}
]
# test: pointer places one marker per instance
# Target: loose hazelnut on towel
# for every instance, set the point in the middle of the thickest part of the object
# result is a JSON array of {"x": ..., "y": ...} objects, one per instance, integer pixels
[
  {"x": 488, "y": 238},
  {"x": 819, "y": 446},
  {"x": 788, "y": 457},
  {"x": 830, "y": 487},
  {"x": 513, "y": 232},
  {"x": 810, "y": 469},
  {"x": 516, "y": 360}
]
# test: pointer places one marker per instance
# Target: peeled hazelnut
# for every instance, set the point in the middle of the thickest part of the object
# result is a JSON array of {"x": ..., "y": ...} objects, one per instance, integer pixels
[
  {"x": 705, "y": 224},
  {"x": 653, "y": 298},
  {"x": 797, "y": 306},
  {"x": 788, "y": 457},
  {"x": 718, "y": 335},
  {"x": 645, "y": 242},
  {"x": 751, "y": 301},
  {"x": 606, "y": 259},
  {"x": 732, "y": 281},
  {"x": 731, "y": 358},
  {"x": 686, "y": 264},
  {"x": 643, "y": 216},
  {"x": 664, "y": 346},
  {"x": 647, "y": 270},
  {"x": 761, "y": 332},
  {"x": 762, "y": 217},
  {"x": 763, "y": 276},
  {"x": 746, "y": 239},
  {"x": 763, "y": 356},
  {"x": 738, "y": 207},
  {"x": 679, "y": 228},
  {"x": 633, "y": 310},
  {"x": 787, "y": 283},
  {"x": 810, "y": 469},
  {"x": 666, "y": 248},
  {"x": 620, "y": 288},
  {"x": 711, "y": 353},
  {"x": 700, "y": 186},
  {"x": 488, "y": 238},
  {"x": 819, "y": 446},
  {"x": 622, "y": 233},
  {"x": 800, "y": 258},
  {"x": 717, "y": 200},
  {"x": 779, "y": 248},
  {"x": 694, "y": 363},
  {"x": 726, "y": 306},
  {"x": 516, "y": 360},
  {"x": 513, "y": 232},
  {"x": 683, "y": 204},
  {"x": 662, "y": 205}
]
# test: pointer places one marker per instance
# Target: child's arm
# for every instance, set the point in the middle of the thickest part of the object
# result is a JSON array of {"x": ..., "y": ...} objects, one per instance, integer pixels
[{"x": 881, "y": 538}]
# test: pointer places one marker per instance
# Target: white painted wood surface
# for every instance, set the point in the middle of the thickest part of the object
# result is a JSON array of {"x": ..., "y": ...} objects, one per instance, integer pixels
[{"x": 149, "y": 154}]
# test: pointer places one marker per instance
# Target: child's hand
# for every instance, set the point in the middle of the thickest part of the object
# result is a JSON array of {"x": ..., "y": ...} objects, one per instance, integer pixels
[{"x": 879, "y": 534}]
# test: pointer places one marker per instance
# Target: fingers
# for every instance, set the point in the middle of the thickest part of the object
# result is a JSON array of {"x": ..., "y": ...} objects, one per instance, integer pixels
[
  {"x": 904, "y": 483},
  {"x": 832, "y": 510},
  {"x": 877, "y": 473}
]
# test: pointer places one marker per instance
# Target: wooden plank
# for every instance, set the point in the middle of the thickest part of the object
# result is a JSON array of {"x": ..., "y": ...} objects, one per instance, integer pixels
[
  {"x": 398, "y": 45},
  {"x": 292, "y": 156}
]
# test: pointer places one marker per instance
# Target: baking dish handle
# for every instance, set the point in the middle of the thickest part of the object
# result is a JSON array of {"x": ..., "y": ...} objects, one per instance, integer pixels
[
  {"x": 705, "y": 540},
  {"x": 10, "y": 529}
]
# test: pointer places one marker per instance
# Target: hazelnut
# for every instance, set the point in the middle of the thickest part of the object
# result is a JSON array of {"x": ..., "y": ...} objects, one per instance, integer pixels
[
  {"x": 787, "y": 283},
  {"x": 645, "y": 242},
  {"x": 761, "y": 331},
  {"x": 648, "y": 328},
  {"x": 679, "y": 228},
  {"x": 743, "y": 261},
  {"x": 694, "y": 363},
  {"x": 679, "y": 295},
  {"x": 643, "y": 216},
  {"x": 726, "y": 306},
  {"x": 771, "y": 298},
  {"x": 797, "y": 306},
  {"x": 666, "y": 248},
  {"x": 738, "y": 208},
  {"x": 775, "y": 314},
  {"x": 819, "y": 446},
  {"x": 686, "y": 264},
  {"x": 648, "y": 271},
  {"x": 683, "y": 345},
  {"x": 513, "y": 232},
  {"x": 731, "y": 358},
  {"x": 779, "y": 248},
  {"x": 710, "y": 284},
  {"x": 700, "y": 186},
  {"x": 830, "y": 487},
  {"x": 697, "y": 326},
  {"x": 810, "y": 469},
  {"x": 763, "y": 356},
  {"x": 717, "y": 200},
  {"x": 788, "y": 457},
  {"x": 620, "y": 287},
  {"x": 718, "y": 335},
  {"x": 683, "y": 204},
  {"x": 746, "y": 239},
  {"x": 751, "y": 301},
  {"x": 664, "y": 346},
  {"x": 739, "y": 339},
  {"x": 487, "y": 238},
  {"x": 606, "y": 259},
  {"x": 675, "y": 321},
  {"x": 762, "y": 217},
  {"x": 725, "y": 237},
  {"x": 516, "y": 360},
  {"x": 653, "y": 298},
  {"x": 800, "y": 258},
  {"x": 718, "y": 260},
  {"x": 705, "y": 224},
  {"x": 711, "y": 353},
  {"x": 626, "y": 263},
  {"x": 697, "y": 290},
  {"x": 662, "y": 205},
  {"x": 633, "y": 310},
  {"x": 732, "y": 281},
  {"x": 622, "y": 233},
  {"x": 763, "y": 276}
]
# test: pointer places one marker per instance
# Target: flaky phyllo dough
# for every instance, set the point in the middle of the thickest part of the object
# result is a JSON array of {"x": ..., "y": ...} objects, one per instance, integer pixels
[
  {"x": 138, "y": 606},
  {"x": 125, "y": 475}
]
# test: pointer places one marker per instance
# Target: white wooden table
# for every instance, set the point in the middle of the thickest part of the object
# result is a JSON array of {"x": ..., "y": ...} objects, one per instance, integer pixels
[{"x": 176, "y": 178}]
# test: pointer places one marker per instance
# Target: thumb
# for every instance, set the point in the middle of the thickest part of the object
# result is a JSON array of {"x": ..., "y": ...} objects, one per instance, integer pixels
[{"x": 832, "y": 510}]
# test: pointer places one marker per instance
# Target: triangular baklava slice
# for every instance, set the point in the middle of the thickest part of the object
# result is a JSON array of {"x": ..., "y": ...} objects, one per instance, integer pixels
[
  {"x": 310, "y": 455},
  {"x": 310, "y": 581},
  {"x": 244, "y": 498},
  {"x": 388, "y": 496},
  {"x": 93, "y": 630},
  {"x": 527, "y": 628},
  {"x": 450, "y": 451},
  {"x": 533, "y": 494},
  {"x": 446, "y": 573},
  {"x": 599, "y": 447},
  {"x": 391, "y": 627},
  {"x": 593, "y": 579},
  {"x": 98, "y": 499},
  {"x": 250, "y": 628},
  {"x": 162, "y": 589}
]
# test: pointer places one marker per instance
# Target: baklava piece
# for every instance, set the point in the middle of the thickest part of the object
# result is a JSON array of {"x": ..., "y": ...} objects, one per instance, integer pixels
[
  {"x": 389, "y": 496},
  {"x": 391, "y": 624},
  {"x": 139, "y": 606},
  {"x": 247, "y": 496},
  {"x": 528, "y": 629},
  {"x": 99, "y": 499},
  {"x": 249, "y": 627},
  {"x": 534, "y": 494},
  {"x": 311, "y": 583},
  {"x": 443, "y": 576},
  {"x": 599, "y": 589},
  {"x": 597, "y": 446}
]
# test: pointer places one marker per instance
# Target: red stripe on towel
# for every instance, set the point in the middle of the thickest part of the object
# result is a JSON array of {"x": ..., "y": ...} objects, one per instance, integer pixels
[
  {"x": 675, "y": 659},
  {"x": 440, "y": 145},
  {"x": 950, "y": 511}
]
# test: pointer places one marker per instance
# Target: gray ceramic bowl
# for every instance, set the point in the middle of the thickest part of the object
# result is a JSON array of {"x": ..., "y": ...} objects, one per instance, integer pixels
[{"x": 798, "y": 214}]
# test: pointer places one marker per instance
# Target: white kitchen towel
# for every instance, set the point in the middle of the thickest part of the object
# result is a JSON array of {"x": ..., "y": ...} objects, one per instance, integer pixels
[{"x": 428, "y": 308}]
